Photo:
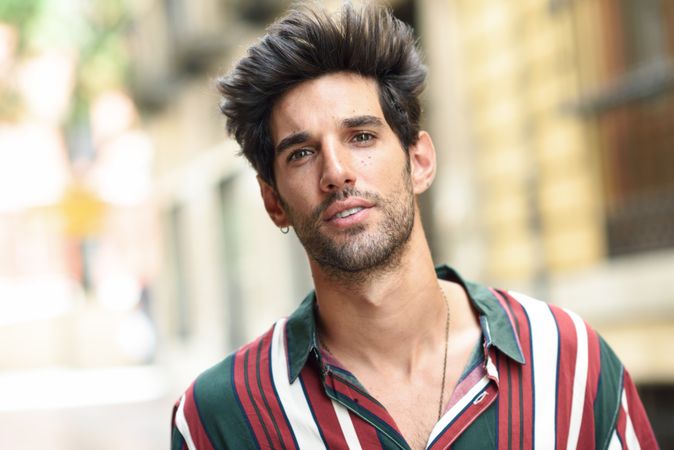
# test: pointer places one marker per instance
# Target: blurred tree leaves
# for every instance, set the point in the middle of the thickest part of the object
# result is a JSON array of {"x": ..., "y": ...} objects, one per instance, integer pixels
[
  {"x": 94, "y": 31},
  {"x": 19, "y": 12}
]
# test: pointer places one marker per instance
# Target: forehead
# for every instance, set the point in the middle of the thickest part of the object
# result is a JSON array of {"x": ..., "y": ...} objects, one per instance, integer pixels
[{"x": 316, "y": 104}]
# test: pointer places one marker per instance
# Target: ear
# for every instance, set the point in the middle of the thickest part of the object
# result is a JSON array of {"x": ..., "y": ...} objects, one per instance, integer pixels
[
  {"x": 422, "y": 162},
  {"x": 272, "y": 203}
]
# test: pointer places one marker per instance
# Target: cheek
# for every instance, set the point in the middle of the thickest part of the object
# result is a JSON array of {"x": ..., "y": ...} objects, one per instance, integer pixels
[
  {"x": 297, "y": 192},
  {"x": 366, "y": 161}
]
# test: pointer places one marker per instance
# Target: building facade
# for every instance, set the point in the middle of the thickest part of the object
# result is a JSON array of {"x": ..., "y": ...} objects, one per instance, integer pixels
[{"x": 563, "y": 151}]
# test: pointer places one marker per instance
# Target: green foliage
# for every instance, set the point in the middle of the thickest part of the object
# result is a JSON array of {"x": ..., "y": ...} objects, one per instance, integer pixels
[
  {"x": 93, "y": 30},
  {"x": 19, "y": 12}
]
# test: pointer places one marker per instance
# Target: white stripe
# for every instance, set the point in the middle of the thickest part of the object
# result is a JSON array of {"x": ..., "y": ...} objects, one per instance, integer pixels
[
  {"x": 579, "y": 381},
  {"x": 544, "y": 342},
  {"x": 181, "y": 425},
  {"x": 292, "y": 395},
  {"x": 492, "y": 371},
  {"x": 615, "y": 442},
  {"x": 457, "y": 408},
  {"x": 345, "y": 422},
  {"x": 630, "y": 436}
]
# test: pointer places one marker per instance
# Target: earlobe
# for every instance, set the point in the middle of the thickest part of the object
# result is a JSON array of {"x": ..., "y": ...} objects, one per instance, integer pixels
[
  {"x": 272, "y": 203},
  {"x": 422, "y": 161}
]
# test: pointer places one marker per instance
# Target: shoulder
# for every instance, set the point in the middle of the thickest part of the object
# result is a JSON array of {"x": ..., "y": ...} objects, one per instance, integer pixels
[
  {"x": 228, "y": 377},
  {"x": 536, "y": 319},
  {"x": 584, "y": 364},
  {"x": 561, "y": 334},
  {"x": 212, "y": 411}
]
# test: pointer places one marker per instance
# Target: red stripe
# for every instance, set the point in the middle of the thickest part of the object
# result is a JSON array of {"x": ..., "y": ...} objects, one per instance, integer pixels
[
  {"x": 509, "y": 403},
  {"x": 344, "y": 388},
  {"x": 568, "y": 350},
  {"x": 637, "y": 414},
  {"x": 621, "y": 424},
  {"x": 254, "y": 385},
  {"x": 586, "y": 438},
  {"x": 515, "y": 422},
  {"x": 275, "y": 408},
  {"x": 465, "y": 385},
  {"x": 527, "y": 406},
  {"x": 367, "y": 434},
  {"x": 240, "y": 374},
  {"x": 321, "y": 405},
  {"x": 197, "y": 431},
  {"x": 504, "y": 402}
]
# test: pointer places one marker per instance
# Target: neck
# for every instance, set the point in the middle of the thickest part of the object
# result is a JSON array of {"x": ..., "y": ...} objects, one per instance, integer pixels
[{"x": 390, "y": 316}]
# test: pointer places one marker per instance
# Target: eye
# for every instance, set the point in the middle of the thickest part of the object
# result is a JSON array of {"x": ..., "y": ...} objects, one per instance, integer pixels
[
  {"x": 362, "y": 137},
  {"x": 299, "y": 154}
]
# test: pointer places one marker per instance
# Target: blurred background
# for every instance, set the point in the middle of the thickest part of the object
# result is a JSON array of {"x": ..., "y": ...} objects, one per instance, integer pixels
[{"x": 135, "y": 252}]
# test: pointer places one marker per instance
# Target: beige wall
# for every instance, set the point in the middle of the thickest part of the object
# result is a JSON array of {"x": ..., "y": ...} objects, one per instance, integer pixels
[{"x": 529, "y": 166}]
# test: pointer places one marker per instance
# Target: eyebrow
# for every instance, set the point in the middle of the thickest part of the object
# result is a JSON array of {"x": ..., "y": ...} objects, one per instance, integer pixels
[
  {"x": 359, "y": 121},
  {"x": 293, "y": 139}
]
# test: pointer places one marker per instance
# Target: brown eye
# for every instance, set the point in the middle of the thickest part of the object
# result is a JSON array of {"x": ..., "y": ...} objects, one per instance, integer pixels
[
  {"x": 363, "y": 137},
  {"x": 299, "y": 154}
]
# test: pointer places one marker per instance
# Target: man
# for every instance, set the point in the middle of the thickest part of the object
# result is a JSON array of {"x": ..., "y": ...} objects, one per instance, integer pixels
[{"x": 388, "y": 352}]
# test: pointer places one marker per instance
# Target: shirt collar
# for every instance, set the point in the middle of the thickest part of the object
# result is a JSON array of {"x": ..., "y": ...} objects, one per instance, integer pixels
[{"x": 497, "y": 329}]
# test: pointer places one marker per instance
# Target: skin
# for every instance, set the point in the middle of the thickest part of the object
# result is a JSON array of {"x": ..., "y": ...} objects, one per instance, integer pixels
[{"x": 385, "y": 321}]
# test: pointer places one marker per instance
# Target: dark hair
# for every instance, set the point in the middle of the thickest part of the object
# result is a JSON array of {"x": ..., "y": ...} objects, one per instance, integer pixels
[{"x": 308, "y": 43}]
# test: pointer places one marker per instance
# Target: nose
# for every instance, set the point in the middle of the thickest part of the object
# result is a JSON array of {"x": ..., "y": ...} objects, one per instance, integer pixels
[{"x": 337, "y": 170}]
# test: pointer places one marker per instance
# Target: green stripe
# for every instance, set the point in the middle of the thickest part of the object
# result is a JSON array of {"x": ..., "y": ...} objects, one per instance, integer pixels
[
  {"x": 500, "y": 328},
  {"x": 482, "y": 433},
  {"x": 177, "y": 440},
  {"x": 219, "y": 408},
  {"x": 607, "y": 402},
  {"x": 386, "y": 442}
]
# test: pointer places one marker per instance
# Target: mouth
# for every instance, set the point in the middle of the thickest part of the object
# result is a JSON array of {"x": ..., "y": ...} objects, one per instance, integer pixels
[{"x": 348, "y": 212}]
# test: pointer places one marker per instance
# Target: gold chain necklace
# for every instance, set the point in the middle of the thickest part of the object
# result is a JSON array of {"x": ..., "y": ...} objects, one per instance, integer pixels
[{"x": 444, "y": 363}]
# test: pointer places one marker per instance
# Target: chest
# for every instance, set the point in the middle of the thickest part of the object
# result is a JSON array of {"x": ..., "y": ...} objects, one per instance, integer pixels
[
  {"x": 414, "y": 404},
  {"x": 414, "y": 409}
]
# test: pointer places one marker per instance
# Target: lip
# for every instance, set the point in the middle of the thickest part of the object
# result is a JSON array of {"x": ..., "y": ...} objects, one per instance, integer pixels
[{"x": 339, "y": 206}]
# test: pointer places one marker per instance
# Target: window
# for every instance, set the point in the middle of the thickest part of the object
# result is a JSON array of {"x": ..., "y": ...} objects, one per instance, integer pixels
[
  {"x": 658, "y": 400},
  {"x": 180, "y": 325},
  {"x": 231, "y": 255},
  {"x": 634, "y": 111}
]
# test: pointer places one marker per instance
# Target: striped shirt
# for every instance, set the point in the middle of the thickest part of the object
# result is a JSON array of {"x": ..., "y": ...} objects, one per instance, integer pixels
[{"x": 542, "y": 379}]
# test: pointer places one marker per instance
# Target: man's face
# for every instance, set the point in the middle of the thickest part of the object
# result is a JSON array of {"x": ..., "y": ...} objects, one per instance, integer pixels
[{"x": 343, "y": 179}]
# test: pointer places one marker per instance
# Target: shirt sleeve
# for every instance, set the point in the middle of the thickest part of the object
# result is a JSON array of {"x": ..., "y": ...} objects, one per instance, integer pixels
[
  {"x": 208, "y": 416},
  {"x": 177, "y": 440},
  {"x": 632, "y": 428},
  {"x": 188, "y": 431}
]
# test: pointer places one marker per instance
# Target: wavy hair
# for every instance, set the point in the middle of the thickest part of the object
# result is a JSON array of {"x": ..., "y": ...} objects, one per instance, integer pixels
[{"x": 310, "y": 42}]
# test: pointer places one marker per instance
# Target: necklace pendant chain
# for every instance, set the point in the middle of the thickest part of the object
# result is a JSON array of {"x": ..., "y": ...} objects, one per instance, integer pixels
[{"x": 444, "y": 363}]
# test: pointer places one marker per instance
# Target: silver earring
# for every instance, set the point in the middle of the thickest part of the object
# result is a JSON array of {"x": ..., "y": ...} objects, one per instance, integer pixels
[{"x": 285, "y": 230}]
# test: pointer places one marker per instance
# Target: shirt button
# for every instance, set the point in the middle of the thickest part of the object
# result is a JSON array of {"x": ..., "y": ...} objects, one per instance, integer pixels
[{"x": 480, "y": 398}]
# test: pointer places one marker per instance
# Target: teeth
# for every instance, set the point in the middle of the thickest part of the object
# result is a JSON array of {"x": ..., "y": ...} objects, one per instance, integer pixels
[{"x": 348, "y": 212}]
